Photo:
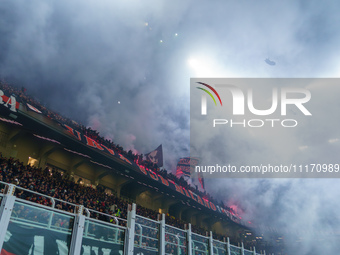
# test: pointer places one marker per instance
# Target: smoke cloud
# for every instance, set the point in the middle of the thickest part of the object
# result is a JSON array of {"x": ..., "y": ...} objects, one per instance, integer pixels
[{"x": 123, "y": 68}]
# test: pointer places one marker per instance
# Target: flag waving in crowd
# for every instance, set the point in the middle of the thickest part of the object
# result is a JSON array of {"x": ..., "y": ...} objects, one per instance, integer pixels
[
  {"x": 156, "y": 156},
  {"x": 186, "y": 169}
]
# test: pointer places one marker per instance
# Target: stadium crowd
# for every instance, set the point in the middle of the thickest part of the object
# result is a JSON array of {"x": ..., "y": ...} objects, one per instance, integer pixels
[
  {"x": 68, "y": 193},
  {"x": 93, "y": 134}
]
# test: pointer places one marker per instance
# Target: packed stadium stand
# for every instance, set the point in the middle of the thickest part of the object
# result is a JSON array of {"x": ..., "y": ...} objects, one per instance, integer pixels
[{"x": 66, "y": 190}]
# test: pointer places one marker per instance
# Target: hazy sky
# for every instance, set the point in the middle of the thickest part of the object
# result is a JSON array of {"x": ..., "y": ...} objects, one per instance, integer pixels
[{"x": 83, "y": 57}]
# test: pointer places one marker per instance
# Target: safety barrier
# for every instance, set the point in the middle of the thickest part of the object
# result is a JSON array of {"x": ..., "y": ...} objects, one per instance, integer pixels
[{"x": 27, "y": 227}]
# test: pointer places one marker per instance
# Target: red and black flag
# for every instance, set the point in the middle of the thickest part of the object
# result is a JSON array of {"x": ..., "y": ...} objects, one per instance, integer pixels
[
  {"x": 185, "y": 166},
  {"x": 201, "y": 180}
]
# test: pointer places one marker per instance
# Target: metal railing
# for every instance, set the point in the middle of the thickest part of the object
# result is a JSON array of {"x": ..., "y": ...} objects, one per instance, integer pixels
[
  {"x": 45, "y": 229},
  {"x": 175, "y": 241}
]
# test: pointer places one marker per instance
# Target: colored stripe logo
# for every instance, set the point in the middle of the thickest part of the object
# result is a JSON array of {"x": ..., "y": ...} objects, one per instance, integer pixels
[{"x": 209, "y": 93}]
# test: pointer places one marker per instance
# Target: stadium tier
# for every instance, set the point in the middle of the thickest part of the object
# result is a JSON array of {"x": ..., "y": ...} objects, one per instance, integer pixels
[
  {"x": 30, "y": 227},
  {"x": 71, "y": 167}
]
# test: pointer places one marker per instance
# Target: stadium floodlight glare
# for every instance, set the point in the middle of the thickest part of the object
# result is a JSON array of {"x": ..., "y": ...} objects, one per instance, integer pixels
[{"x": 207, "y": 66}]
